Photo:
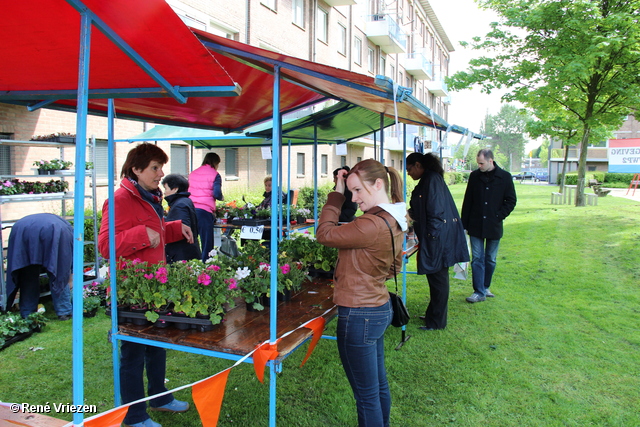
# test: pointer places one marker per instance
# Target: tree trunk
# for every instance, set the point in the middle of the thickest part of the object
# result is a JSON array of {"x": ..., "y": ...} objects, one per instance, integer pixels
[
  {"x": 582, "y": 167},
  {"x": 564, "y": 168}
]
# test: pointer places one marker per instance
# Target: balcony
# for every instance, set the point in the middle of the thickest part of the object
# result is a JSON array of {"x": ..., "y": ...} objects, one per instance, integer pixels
[
  {"x": 385, "y": 32},
  {"x": 437, "y": 88},
  {"x": 417, "y": 65},
  {"x": 334, "y": 3},
  {"x": 446, "y": 100}
]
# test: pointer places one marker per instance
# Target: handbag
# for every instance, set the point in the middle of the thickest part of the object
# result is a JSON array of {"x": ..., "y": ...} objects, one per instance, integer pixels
[{"x": 400, "y": 312}]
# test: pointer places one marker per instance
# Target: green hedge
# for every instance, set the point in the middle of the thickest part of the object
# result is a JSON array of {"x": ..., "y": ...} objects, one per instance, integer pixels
[
  {"x": 604, "y": 177},
  {"x": 456, "y": 177}
]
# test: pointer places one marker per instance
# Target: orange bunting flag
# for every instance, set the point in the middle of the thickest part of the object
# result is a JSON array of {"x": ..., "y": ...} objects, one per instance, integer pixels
[
  {"x": 207, "y": 395},
  {"x": 109, "y": 419},
  {"x": 261, "y": 355},
  {"x": 317, "y": 326}
]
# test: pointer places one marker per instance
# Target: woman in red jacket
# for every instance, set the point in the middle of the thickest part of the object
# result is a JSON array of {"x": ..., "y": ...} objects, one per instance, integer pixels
[{"x": 141, "y": 233}]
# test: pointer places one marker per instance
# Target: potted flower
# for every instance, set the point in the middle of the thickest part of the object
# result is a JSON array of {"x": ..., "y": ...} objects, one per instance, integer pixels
[
  {"x": 48, "y": 167},
  {"x": 14, "y": 328},
  {"x": 302, "y": 215},
  {"x": 91, "y": 299}
]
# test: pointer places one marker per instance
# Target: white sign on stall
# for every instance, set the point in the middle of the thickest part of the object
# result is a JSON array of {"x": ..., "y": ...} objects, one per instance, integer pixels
[{"x": 251, "y": 232}]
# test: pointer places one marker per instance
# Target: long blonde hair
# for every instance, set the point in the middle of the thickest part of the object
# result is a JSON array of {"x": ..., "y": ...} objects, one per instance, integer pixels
[{"x": 370, "y": 170}]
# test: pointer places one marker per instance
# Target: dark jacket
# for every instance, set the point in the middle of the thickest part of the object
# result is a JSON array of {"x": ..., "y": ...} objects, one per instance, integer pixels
[
  {"x": 181, "y": 208},
  {"x": 437, "y": 225},
  {"x": 41, "y": 239},
  {"x": 349, "y": 208},
  {"x": 490, "y": 198}
]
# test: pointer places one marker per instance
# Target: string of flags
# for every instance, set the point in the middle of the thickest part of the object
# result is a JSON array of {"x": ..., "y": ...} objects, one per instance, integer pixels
[{"x": 208, "y": 393}]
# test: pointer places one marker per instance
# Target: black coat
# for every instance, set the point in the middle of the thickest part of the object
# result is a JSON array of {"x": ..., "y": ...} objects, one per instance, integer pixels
[
  {"x": 437, "y": 225},
  {"x": 490, "y": 198},
  {"x": 349, "y": 208},
  {"x": 181, "y": 208}
]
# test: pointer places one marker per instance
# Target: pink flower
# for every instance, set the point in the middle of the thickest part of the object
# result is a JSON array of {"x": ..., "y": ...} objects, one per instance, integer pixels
[
  {"x": 148, "y": 276},
  {"x": 213, "y": 267},
  {"x": 161, "y": 271},
  {"x": 162, "y": 279},
  {"x": 136, "y": 261},
  {"x": 232, "y": 283},
  {"x": 204, "y": 279},
  {"x": 285, "y": 268}
]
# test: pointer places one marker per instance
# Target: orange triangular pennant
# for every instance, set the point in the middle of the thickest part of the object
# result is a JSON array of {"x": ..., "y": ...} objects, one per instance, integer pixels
[
  {"x": 109, "y": 419},
  {"x": 207, "y": 395},
  {"x": 264, "y": 352},
  {"x": 317, "y": 326}
]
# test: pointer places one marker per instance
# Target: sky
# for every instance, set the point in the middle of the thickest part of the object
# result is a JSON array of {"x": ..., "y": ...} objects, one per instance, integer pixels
[{"x": 462, "y": 20}]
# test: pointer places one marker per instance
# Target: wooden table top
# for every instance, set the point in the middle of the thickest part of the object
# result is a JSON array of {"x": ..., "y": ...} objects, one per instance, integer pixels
[
  {"x": 242, "y": 330},
  {"x": 10, "y": 419}
]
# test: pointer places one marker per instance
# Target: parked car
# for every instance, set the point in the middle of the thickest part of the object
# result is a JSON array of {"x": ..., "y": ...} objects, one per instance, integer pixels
[
  {"x": 542, "y": 176},
  {"x": 524, "y": 176}
]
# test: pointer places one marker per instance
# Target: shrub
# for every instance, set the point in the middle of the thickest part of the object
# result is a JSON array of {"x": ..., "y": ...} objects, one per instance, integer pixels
[
  {"x": 624, "y": 178},
  {"x": 305, "y": 196}
]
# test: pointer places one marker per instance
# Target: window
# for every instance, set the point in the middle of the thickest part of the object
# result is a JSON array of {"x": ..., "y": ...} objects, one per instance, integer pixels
[
  {"x": 343, "y": 161},
  {"x": 300, "y": 164},
  {"x": 269, "y": 166},
  {"x": 271, "y": 4},
  {"x": 343, "y": 39},
  {"x": 383, "y": 66},
  {"x": 393, "y": 163},
  {"x": 358, "y": 159},
  {"x": 392, "y": 71},
  {"x": 5, "y": 155},
  {"x": 324, "y": 165},
  {"x": 357, "y": 51},
  {"x": 371, "y": 57},
  {"x": 323, "y": 26},
  {"x": 100, "y": 164},
  {"x": 179, "y": 158},
  {"x": 231, "y": 162},
  {"x": 298, "y": 12}
]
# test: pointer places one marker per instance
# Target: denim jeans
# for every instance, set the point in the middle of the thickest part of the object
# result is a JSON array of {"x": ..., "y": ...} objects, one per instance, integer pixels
[
  {"x": 360, "y": 334},
  {"x": 483, "y": 262},
  {"x": 28, "y": 281},
  {"x": 205, "y": 231},
  {"x": 134, "y": 358}
]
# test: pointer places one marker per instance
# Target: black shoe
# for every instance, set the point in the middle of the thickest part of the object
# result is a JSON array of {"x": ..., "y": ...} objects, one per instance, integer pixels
[{"x": 64, "y": 317}]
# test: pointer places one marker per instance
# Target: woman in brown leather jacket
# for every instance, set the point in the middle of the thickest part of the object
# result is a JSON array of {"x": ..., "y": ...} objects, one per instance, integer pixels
[{"x": 365, "y": 259}]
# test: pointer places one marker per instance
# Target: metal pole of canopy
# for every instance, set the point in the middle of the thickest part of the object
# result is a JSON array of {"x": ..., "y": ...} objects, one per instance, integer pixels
[
  {"x": 382, "y": 138},
  {"x": 276, "y": 202},
  {"x": 375, "y": 145},
  {"x": 315, "y": 176},
  {"x": 404, "y": 336},
  {"x": 111, "y": 166},
  {"x": 289, "y": 190},
  {"x": 78, "y": 214}
]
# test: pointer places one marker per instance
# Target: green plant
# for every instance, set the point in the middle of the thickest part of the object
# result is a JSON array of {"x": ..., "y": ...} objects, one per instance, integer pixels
[
  {"x": 53, "y": 165},
  {"x": 12, "y": 324}
]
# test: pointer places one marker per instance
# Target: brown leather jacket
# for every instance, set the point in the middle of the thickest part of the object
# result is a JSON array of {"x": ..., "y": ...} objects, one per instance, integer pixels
[{"x": 364, "y": 253}]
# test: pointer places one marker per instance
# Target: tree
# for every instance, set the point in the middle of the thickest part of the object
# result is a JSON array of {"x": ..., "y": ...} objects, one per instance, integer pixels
[
  {"x": 506, "y": 130},
  {"x": 577, "y": 58}
]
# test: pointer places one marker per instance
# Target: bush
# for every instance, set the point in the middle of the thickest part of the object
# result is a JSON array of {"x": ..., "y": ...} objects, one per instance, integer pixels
[
  {"x": 451, "y": 178},
  {"x": 305, "y": 196},
  {"x": 624, "y": 178}
]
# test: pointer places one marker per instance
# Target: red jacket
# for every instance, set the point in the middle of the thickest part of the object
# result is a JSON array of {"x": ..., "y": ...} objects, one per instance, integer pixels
[{"x": 133, "y": 216}]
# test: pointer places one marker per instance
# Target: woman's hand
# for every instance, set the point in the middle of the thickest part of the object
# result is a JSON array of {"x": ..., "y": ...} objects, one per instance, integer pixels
[
  {"x": 187, "y": 233},
  {"x": 154, "y": 237},
  {"x": 340, "y": 181}
]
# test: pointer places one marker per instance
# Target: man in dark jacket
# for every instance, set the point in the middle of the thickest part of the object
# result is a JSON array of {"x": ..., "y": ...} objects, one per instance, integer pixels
[
  {"x": 38, "y": 243},
  {"x": 181, "y": 208},
  {"x": 490, "y": 198},
  {"x": 349, "y": 208}
]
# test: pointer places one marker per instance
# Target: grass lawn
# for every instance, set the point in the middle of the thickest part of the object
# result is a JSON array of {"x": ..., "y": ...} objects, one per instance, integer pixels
[{"x": 558, "y": 346}]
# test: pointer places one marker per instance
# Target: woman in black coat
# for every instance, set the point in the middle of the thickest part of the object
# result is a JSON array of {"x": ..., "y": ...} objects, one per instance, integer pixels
[
  {"x": 439, "y": 231},
  {"x": 181, "y": 208}
]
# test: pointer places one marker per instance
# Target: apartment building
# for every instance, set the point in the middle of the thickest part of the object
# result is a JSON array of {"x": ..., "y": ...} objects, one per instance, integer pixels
[{"x": 400, "y": 39}]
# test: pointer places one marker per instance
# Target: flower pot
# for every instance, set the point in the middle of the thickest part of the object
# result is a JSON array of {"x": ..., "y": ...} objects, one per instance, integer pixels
[
  {"x": 46, "y": 172},
  {"x": 301, "y": 220},
  {"x": 263, "y": 300},
  {"x": 284, "y": 295},
  {"x": 180, "y": 321},
  {"x": 90, "y": 313},
  {"x": 161, "y": 324},
  {"x": 137, "y": 320}
]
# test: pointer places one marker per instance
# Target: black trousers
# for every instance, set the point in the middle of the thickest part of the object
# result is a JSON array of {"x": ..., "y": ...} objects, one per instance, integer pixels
[{"x": 436, "y": 314}]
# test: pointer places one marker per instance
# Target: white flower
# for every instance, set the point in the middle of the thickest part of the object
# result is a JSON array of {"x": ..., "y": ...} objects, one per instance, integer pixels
[
  {"x": 213, "y": 253},
  {"x": 264, "y": 266},
  {"x": 241, "y": 273},
  {"x": 10, "y": 319}
]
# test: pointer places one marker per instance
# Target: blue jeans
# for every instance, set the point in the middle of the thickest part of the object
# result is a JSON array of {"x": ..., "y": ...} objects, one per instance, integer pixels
[
  {"x": 134, "y": 358},
  {"x": 205, "y": 231},
  {"x": 28, "y": 281},
  {"x": 360, "y": 334},
  {"x": 483, "y": 262}
]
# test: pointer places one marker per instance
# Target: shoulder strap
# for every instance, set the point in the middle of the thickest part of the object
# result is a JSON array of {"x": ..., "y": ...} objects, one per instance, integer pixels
[{"x": 393, "y": 247}]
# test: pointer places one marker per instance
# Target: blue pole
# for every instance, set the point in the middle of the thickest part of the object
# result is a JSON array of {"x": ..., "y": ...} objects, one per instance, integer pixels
[
  {"x": 315, "y": 176},
  {"x": 78, "y": 214},
  {"x": 276, "y": 203},
  {"x": 404, "y": 196},
  {"x": 111, "y": 149},
  {"x": 382, "y": 138}
]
